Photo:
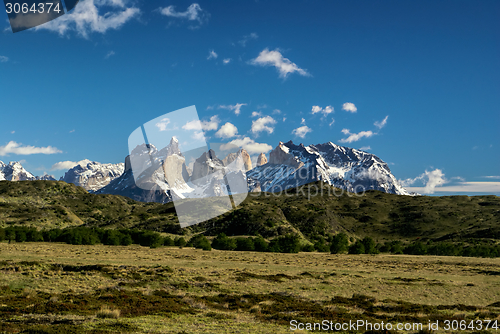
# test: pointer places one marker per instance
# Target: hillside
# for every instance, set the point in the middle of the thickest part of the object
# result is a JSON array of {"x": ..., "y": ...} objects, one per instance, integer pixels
[{"x": 49, "y": 204}]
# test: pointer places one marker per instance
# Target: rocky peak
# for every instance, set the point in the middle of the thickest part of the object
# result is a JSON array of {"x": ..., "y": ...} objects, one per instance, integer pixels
[
  {"x": 261, "y": 160},
  {"x": 206, "y": 164},
  {"x": 281, "y": 156},
  {"x": 14, "y": 171},
  {"x": 242, "y": 155},
  {"x": 93, "y": 175}
]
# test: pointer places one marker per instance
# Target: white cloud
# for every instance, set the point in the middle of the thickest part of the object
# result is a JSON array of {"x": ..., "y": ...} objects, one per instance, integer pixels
[
  {"x": 355, "y": 136},
  {"x": 228, "y": 130},
  {"x": 327, "y": 110},
  {"x": 109, "y": 54},
  {"x": 64, "y": 165},
  {"x": 365, "y": 148},
  {"x": 212, "y": 55},
  {"x": 316, "y": 109},
  {"x": 4, "y": 59},
  {"x": 16, "y": 148},
  {"x": 276, "y": 59},
  {"x": 276, "y": 111},
  {"x": 210, "y": 125},
  {"x": 332, "y": 122},
  {"x": 382, "y": 123},
  {"x": 262, "y": 124},
  {"x": 198, "y": 135},
  {"x": 243, "y": 42},
  {"x": 302, "y": 131},
  {"x": 303, "y": 121},
  {"x": 193, "y": 13},
  {"x": 350, "y": 107},
  {"x": 492, "y": 177},
  {"x": 256, "y": 113},
  {"x": 236, "y": 108},
  {"x": 432, "y": 179},
  {"x": 226, "y": 61},
  {"x": 12, "y": 132},
  {"x": 162, "y": 125},
  {"x": 463, "y": 187},
  {"x": 251, "y": 146},
  {"x": 284, "y": 119},
  {"x": 86, "y": 19}
]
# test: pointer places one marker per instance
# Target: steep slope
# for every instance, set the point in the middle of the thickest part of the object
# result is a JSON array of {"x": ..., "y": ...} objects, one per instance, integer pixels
[{"x": 346, "y": 168}]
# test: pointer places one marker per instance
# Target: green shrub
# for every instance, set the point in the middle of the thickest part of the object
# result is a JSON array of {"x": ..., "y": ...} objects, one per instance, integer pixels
[
  {"x": 244, "y": 244},
  {"x": 357, "y": 248},
  {"x": 168, "y": 241},
  {"x": 179, "y": 241},
  {"x": 223, "y": 242},
  {"x": 285, "y": 244},
  {"x": 260, "y": 244},
  {"x": 369, "y": 245},
  {"x": 307, "y": 248},
  {"x": 339, "y": 244}
]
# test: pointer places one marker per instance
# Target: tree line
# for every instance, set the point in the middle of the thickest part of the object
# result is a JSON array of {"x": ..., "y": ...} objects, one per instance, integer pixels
[{"x": 337, "y": 244}]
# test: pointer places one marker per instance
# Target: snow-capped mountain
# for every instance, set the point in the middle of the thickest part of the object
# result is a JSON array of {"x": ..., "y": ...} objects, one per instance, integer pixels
[
  {"x": 14, "y": 171},
  {"x": 162, "y": 175},
  {"x": 93, "y": 175},
  {"x": 293, "y": 165}
]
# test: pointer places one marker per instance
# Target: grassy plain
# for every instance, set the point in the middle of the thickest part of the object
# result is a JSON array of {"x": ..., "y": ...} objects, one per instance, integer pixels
[{"x": 59, "y": 288}]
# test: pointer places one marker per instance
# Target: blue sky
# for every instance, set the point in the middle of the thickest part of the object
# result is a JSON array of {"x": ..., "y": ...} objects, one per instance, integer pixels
[{"x": 77, "y": 87}]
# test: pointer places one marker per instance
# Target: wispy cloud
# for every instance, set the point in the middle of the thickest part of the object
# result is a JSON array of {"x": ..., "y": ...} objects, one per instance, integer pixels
[
  {"x": 193, "y": 13},
  {"x": 4, "y": 59},
  {"x": 301, "y": 131},
  {"x": 276, "y": 59},
  {"x": 382, "y": 123},
  {"x": 263, "y": 124},
  {"x": 212, "y": 55},
  {"x": 236, "y": 108},
  {"x": 243, "y": 42},
  {"x": 228, "y": 130},
  {"x": 226, "y": 61},
  {"x": 256, "y": 113},
  {"x": 86, "y": 17},
  {"x": 17, "y": 148},
  {"x": 353, "y": 137},
  {"x": 109, "y": 54},
  {"x": 365, "y": 148},
  {"x": 350, "y": 107}
]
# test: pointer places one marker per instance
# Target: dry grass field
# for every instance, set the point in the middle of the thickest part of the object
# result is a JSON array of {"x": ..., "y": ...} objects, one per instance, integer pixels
[{"x": 59, "y": 288}]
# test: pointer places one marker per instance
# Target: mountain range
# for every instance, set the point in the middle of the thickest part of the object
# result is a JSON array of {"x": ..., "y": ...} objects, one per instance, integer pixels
[{"x": 165, "y": 175}]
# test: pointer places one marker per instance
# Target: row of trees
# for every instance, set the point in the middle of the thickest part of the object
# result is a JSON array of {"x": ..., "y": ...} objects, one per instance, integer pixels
[{"x": 340, "y": 243}]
